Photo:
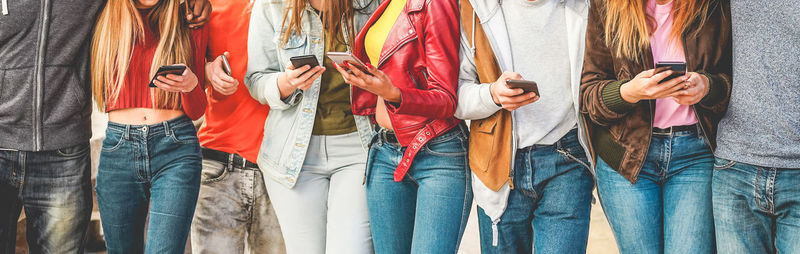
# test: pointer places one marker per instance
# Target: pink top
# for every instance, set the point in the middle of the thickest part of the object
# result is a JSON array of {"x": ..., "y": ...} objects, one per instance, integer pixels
[{"x": 668, "y": 112}]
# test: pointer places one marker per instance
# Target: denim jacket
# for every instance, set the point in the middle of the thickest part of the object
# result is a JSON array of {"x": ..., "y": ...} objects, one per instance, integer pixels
[{"x": 287, "y": 130}]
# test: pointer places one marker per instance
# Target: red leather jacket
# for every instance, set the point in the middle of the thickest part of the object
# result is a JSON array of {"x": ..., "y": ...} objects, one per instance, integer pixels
[{"x": 420, "y": 56}]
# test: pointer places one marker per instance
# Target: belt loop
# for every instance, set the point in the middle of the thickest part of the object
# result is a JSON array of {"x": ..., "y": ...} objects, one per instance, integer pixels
[
  {"x": 230, "y": 162},
  {"x": 244, "y": 163},
  {"x": 126, "y": 133},
  {"x": 167, "y": 130}
]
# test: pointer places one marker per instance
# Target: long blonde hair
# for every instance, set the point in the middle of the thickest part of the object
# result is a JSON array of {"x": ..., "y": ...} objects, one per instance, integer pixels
[
  {"x": 338, "y": 15},
  {"x": 118, "y": 29},
  {"x": 628, "y": 27}
]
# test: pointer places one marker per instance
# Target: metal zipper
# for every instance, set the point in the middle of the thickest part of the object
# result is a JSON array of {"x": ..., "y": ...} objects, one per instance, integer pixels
[{"x": 39, "y": 74}]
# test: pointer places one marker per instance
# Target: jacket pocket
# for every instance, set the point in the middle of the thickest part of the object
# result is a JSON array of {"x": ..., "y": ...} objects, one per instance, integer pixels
[
  {"x": 65, "y": 98},
  {"x": 296, "y": 45},
  {"x": 16, "y": 95},
  {"x": 482, "y": 142}
]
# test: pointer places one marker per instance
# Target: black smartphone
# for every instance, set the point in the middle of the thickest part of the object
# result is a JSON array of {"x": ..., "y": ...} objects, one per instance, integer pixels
[
  {"x": 226, "y": 66},
  {"x": 526, "y": 85},
  {"x": 167, "y": 69},
  {"x": 678, "y": 68},
  {"x": 300, "y": 61}
]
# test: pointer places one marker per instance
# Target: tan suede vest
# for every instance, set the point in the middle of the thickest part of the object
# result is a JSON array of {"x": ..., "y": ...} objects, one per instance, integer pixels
[{"x": 490, "y": 139}]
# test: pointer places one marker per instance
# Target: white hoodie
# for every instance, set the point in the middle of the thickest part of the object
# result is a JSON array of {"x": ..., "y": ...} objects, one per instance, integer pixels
[{"x": 475, "y": 101}]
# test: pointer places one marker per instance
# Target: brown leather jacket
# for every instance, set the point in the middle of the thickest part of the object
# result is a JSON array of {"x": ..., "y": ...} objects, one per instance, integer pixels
[{"x": 620, "y": 131}]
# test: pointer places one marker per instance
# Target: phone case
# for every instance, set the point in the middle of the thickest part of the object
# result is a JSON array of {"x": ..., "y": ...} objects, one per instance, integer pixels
[{"x": 167, "y": 69}]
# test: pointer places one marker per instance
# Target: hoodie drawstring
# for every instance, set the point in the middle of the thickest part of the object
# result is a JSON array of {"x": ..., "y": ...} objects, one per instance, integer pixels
[{"x": 5, "y": 7}]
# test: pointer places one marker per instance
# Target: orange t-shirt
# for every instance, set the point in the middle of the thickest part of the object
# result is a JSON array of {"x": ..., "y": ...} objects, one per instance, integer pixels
[{"x": 234, "y": 123}]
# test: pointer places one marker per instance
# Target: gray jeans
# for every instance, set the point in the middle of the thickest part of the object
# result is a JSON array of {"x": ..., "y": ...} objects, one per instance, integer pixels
[{"x": 234, "y": 213}]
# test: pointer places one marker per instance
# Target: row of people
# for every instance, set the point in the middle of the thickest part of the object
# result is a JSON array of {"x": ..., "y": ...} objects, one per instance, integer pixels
[{"x": 376, "y": 158}]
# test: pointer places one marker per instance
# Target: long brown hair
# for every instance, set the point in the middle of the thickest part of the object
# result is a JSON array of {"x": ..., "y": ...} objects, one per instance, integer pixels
[
  {"x": 337, "y": 15},
  {"x": 628, "y": 27},
  {"x": 118, "y": 29}
]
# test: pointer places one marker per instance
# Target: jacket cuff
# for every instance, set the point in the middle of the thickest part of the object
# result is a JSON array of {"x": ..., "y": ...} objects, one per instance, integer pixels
[
  {"x": 613, "y": 99},
  {"x": 293, "y": 98},
  {"x": 486, "y": 98},
  {"x": 717, "y": 90}
]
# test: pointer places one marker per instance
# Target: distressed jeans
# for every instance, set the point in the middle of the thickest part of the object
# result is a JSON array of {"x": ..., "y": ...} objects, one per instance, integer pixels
[
  {"x": 427, "y": 211},
  {"x": 550, "y": 205},
  {"x": 234, "y": 211},
  {"x": 668, "y": 210},
  {"x": 756, "y": 209},
  {"x": 55, "y": 189},
  {"x": 148, "y": 171}
]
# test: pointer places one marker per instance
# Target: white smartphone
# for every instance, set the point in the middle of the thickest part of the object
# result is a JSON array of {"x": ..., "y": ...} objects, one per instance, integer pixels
[{"x": 341, "y": 57}]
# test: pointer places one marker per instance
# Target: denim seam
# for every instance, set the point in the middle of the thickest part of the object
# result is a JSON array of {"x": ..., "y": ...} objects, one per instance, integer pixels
[
  {"x": 770, "y": 190},
  {"x": 218, "y": 178},
  {"x": 758, "y": 195},
  {"x": 726, "y": 166},
  {"x": 464, "y": 208},
  {"x": 21, "y": 176}
]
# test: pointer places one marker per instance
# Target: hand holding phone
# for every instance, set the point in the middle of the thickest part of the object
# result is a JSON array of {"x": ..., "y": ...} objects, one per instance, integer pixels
[
  {"x": 509, "y": 91},
  {"x": 218, "y": 75},
  {"x": 300, "y": 76},
  {"x": 347, "y": 58},
  {"x": 678, "y": 69},
  {"x": 651, "y": 84},
  {"x": 171, "y": 79}
]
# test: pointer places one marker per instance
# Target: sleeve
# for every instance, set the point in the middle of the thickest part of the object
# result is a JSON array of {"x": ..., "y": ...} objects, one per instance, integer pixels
[
  {"x": 263, "y": 67},
  {"x": 194, "y": 102},
  {"x": 474, "y": 99},
  {"x": 440, "y": 37},
  {"x": 600, "y": 98},
  {"x": 719, "y": 75}
]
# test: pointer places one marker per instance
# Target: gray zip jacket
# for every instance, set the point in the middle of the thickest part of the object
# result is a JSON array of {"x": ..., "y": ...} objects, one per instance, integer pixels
[{"x": 44, "y": 73}]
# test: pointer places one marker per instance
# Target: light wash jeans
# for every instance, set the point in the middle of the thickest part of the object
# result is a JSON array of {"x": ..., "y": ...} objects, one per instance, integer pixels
[
  {"x": 148, "y": 171},
  {"x": 233, "y": 212},
  {"x": 756, "y": 209},
  {"x": 668, "y": 210},
  {"x": 550, "y": 205},
  {"x": 427, "y": 211},
  {"x": 326, "y": 211}
]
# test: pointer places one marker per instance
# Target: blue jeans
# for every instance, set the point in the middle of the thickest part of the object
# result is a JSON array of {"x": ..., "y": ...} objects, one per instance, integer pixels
[
  {"x": 148, "y": 170},
  {"x": 427, "y": 211},
  {"x": 756, "y": 209},
  {"x": 55, "y": 189},
  {"x": 668, "y": 210},
  {"x": 550, "y": 205}
]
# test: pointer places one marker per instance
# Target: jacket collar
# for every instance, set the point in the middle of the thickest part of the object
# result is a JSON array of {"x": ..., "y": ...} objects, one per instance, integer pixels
[{"x": 402, "y": 31}]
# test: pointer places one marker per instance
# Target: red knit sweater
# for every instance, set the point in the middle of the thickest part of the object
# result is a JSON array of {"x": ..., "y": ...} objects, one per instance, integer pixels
[{"x": 135, "y": 92}]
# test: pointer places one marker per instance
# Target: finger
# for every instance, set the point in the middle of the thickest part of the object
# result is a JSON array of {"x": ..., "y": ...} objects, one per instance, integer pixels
[
  {"x": 226, "y": 78},
  {"x": 174, "y": 77},
  {"x": 658, "y": 77},
  {"x": 510, "y": 92},
  {"x": 165, "y": 86},
  {"x": 166, "y": 80},
  {"x": 289, "y": 66},
  {"x": 197, "y": 8},
  {"x": 675, "y": 90},
  {"x": 514, "y": 75},
  {"x": 308, "y": 74},
  {"x": 520, "y": 98},
  {"x": 356, "y": 71}
]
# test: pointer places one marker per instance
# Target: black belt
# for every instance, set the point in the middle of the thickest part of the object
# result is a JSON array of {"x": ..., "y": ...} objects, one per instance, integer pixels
[
  {"x": 674, "y": 129},
  {"x": 388, "y": 136},
  {"x": 233, "y": 160}
]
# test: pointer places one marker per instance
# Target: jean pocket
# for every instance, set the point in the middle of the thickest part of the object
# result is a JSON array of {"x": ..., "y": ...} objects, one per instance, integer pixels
[
  {"x": 454, "y": 146},
  {"x": 73, "y": 151},
  {"x": 112, "y": 142},
  {"x": 721, "y": 164},
  {"x": 213, "y": 171},
  {"x": 184, "y": 135}
]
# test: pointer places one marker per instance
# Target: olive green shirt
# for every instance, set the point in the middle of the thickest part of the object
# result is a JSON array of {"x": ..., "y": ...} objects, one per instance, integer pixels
[{"x": 334, "y": 113}]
